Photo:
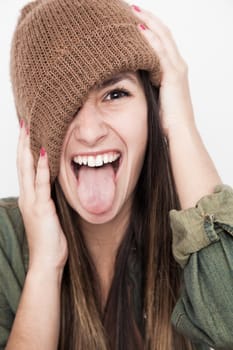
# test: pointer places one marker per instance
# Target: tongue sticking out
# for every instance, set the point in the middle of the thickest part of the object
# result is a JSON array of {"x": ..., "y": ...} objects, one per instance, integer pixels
[{"x": 96, "y": 188}]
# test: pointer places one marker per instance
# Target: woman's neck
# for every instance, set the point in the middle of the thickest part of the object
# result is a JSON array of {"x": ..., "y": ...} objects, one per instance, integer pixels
[{"x": 103, "y": 241}]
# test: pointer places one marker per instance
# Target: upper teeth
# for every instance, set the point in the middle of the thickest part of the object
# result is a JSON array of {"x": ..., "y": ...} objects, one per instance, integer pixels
[{"x": 98, "y": 160}]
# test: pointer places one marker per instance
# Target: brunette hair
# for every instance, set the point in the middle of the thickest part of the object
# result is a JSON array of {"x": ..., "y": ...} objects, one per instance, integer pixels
[{"x": 147, "y": 280}]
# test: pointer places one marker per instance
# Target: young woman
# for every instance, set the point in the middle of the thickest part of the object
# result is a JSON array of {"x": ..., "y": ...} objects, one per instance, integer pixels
[{"x": 107, "y": 142}]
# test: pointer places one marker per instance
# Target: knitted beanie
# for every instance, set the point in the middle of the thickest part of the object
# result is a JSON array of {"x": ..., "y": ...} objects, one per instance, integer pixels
[{"x": 60, "y": 50}]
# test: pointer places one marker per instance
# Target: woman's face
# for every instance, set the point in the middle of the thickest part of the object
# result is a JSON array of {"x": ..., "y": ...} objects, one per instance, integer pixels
[{"x": 104, "y": 149}]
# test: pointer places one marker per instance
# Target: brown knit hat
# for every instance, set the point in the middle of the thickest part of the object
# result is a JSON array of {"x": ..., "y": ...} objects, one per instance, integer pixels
[{"x": 60, "y": 50}]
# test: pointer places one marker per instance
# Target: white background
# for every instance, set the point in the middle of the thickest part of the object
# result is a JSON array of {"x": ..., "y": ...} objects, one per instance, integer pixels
[{"x": 203, "y": 30}]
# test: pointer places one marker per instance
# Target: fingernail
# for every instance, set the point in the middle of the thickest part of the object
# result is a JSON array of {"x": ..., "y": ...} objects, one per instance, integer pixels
[
  {"x": 142, "y": 26},
  {"x": 27, "y": 130},
  {"x": 136, "y": 8},
  {"x": 42, "y": 152},
  {"x": 21, "y": 123}
]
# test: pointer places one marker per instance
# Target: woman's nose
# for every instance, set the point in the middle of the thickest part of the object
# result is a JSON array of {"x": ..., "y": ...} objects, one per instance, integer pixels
[{"x": 90, "y": 127}]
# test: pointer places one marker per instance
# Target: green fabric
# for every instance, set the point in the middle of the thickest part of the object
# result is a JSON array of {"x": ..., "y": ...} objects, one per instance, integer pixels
[
  {"x": 13, "y": 264},
  {"x": 194, "y": 228},
  {"x": 203, "y": 245}
]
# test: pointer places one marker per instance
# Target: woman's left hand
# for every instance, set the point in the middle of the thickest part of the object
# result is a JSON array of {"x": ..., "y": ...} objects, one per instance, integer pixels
[
  {"x": 175, "y": 102},
  {"x": 200, "y": 177}
]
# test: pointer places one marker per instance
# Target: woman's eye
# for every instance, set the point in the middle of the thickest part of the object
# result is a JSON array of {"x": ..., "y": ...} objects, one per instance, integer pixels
[{"x": 116, "y": 94}]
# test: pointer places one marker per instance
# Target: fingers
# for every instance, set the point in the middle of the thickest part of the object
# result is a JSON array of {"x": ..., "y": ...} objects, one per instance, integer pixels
[
  {"x": 25, "y": 165},
  {"x": 34, "y": 186},
  {"x": 165, "y": 59},
  {"x": 154, "y": 24},
  {"x": 161, "y": 39},
  {"x": 42, "y": 183}
]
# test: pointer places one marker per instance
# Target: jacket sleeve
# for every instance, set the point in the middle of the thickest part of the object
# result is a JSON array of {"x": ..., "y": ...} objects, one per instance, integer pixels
[
  {"x": 6, "y": 310},
  {"x": 13, "y": 258},
  {"x": 203, "y": 246}
]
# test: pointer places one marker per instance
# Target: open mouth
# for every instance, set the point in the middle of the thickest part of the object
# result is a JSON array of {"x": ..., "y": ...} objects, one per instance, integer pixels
[{"x": 96, "y": 161}]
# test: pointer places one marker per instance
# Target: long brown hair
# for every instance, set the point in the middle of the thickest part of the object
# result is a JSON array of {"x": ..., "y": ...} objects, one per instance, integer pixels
[{"x": 147, "y": 280}]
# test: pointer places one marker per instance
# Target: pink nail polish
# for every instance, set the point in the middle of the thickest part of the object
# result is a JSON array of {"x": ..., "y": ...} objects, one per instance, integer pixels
[
  {"x": 136, "y": 8},
  {"x": 142, "y": 26},
  {"x": 21, "y": 123},
  {"x": 42, "y": 152}
]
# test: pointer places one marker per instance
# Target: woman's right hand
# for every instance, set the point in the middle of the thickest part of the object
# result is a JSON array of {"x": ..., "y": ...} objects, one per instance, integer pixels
[{"x": 46, "y": 240}]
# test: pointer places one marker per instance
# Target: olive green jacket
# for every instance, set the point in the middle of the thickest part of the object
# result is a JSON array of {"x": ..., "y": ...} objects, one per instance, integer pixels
[{"x": 202, "y": 245}]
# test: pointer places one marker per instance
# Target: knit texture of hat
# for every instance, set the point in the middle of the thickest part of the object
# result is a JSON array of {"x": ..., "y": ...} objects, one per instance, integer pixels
[{"x": 60, "y": 50}]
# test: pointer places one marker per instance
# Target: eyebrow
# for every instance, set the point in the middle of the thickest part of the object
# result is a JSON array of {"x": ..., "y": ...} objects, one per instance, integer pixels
[{"x": 116, "y": 79}]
